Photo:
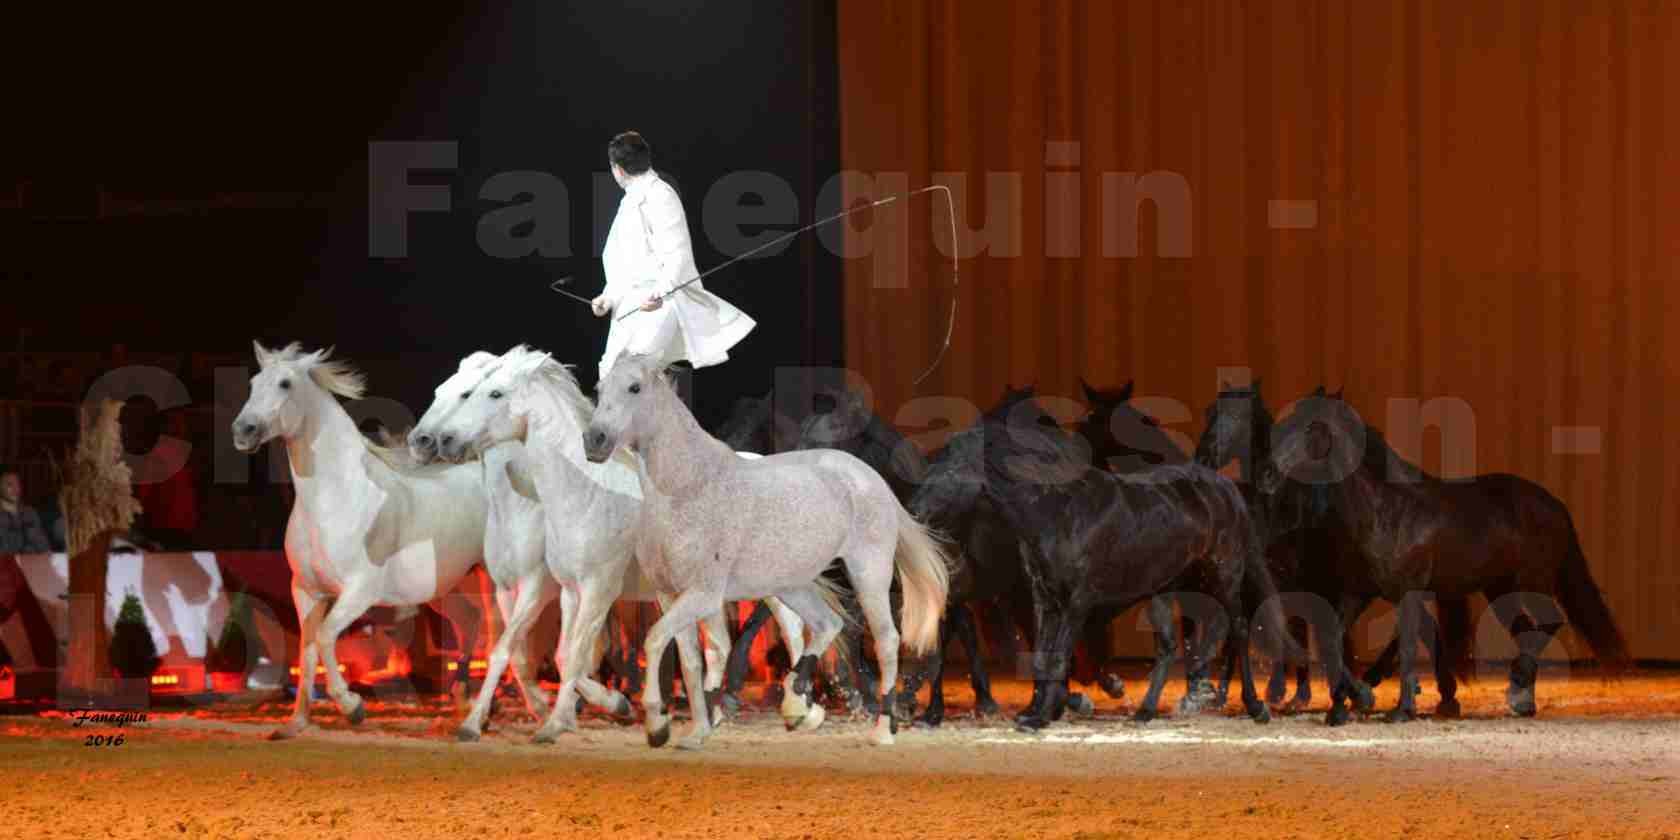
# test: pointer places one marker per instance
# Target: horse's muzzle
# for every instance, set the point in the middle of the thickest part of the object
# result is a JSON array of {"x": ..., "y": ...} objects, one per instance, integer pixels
[
  {"x": 597, "y": 446},
  {"x": 422, "y": 446},
  {"x": 247, "y": 435}
]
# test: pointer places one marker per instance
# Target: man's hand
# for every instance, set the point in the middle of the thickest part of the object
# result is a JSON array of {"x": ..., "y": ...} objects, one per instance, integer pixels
[
  {"x": 600, "y": 306},
  {"x": 653, "y": 303}
]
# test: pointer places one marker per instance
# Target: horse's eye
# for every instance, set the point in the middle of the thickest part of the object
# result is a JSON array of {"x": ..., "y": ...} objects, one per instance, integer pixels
[
  {"x": 636, "y": 388},
  {"x": 285, "y": 384},
  {"x": 495, "y": 395}
]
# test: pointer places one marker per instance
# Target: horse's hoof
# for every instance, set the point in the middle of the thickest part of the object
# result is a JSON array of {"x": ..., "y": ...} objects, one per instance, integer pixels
[
  {"x": 928, "y": 721},
  {"x": 1030, "y": 723},
  {"x": 881, "y": 735},
  {"x": 1448, "y": 708},
  {"x": 1399, "y": 715},
  {"x": 731, "y": 704},
  {"x": 812, "y": 719},
  {"x": 357, "y": 715},
  {"x": 692, "y": 741},
  {"x": 1112, "y": 686},
  {"x": 1294, "y": 707},
  {"x": 1144, "y": 715},
  {"x": 1079, "y": 704},
  {"x": 621, "y": 709},
  {"x": 658, "y": 737},
  {"x": 1363, "y": 699},
  {"x": 1260, "y": 713},
  {"x": 287, "y": 732},
  {"x": 986, "y": 708},
  {"x": 1522, "y": 705},
  {"x": 466, "y": 734},
  {"x": 1189, "y": 705},
  {"x": 1337, "y": 716}
]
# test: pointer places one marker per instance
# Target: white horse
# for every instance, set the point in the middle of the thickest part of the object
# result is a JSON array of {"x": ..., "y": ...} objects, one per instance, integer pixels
[
  {"x": 367, "y": 529},
  {"x": 717, "y": 527},
  {"x": 592, "y": 512}
]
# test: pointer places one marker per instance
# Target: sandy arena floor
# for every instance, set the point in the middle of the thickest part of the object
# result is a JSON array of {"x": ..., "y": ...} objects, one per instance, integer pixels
[{"x": 1598, "y": 761}]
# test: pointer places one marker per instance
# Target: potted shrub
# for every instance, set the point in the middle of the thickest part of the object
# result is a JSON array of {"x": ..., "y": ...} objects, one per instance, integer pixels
[
  {"x": 230, "y": 657},
  {"x": 133, "y": 654}
]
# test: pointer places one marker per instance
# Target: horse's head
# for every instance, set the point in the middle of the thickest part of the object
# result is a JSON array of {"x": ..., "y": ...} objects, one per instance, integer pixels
[
  {"x": 486, "y": 402},
  {"x": 748, "y": 427},
  {"x": 1321, "y": 442},
  {"x": 287, "y": 389},
  {"x": 844, "y": 421},
  {"x": 625, "y": 406},
  {"x": 1238, "y": 427},
  {"x": 1123, "y": 438},
  {"x": 952, "y": 482}
]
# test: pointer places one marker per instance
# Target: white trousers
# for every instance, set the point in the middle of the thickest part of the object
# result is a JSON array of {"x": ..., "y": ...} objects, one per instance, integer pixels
[{"x": 644, "y": 333}]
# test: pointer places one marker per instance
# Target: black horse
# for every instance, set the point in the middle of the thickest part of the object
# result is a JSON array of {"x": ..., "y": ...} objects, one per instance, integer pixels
[
  {"x": 1404, "y": 534},
  {"x": 987, "y": 565},
  {"x": 1123, "y": 440},
  {"x": 1294, "y": 523},
  {"x": 1093, "y": 538}
]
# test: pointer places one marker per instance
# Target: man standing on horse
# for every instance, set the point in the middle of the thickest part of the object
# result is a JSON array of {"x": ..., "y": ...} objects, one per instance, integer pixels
[{"x": 647, "y": 256}]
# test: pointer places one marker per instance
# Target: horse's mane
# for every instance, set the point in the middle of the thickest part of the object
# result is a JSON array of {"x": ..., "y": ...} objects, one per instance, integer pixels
[
  {"x": 335, "y": 376},
  {"x": 1382, "y": 459},
  {"x": 557, "y": 379},
  {"x": 340, "y": 378}
]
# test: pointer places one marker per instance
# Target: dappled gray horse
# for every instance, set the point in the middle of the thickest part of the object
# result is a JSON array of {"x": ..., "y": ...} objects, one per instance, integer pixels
[{"x": 716, "y": 528}]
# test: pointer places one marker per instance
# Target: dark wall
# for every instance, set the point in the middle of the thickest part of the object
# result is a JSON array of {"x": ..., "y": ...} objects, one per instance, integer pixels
[{"x": 176, "y": 110}]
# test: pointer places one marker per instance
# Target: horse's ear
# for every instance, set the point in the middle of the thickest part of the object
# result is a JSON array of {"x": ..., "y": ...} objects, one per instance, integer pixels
[
  {"x": 264, "y": 355},
  {"x": 1126, "y": 390},
  {"x": 1338, "y": 394},
  {"x": 1319, "y": 392},
  {"x": 1091, "y": 394}
]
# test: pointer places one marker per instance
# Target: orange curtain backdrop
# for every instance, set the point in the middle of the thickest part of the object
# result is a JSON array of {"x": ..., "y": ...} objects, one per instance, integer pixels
[{"x": 1486, "y": 199}]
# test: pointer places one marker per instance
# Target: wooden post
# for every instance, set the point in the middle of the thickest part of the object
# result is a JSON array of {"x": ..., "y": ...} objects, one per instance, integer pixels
[{"x": 87, "y": 664}]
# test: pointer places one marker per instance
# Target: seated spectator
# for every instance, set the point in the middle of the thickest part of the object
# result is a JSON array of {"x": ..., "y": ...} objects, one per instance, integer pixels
[
  {"x": 20, "y": 525},
  {"x": 52, "y": 521}
]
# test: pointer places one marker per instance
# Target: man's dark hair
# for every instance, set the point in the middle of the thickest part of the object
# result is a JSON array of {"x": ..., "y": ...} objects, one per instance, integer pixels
[{"x": 630, "y": 152}]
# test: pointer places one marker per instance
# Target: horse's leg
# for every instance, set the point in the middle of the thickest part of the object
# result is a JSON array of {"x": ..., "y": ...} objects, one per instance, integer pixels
[
  {"x": 1531, "y": 639},
  {"x": 524, "y": 668},
  {"x": 717, "y": 652},
  {"x": 1332, "y": 635},
  {"x": 968, "y": 634},
  {"x": 740, "y": 657},
  {"x": 1299, "y": 629},
  {"x": 1384, "y": 666},
  {"x": 1166, "y": 649},
  {"x": 825, "y": 625},
  {"x": 684, "y": 611},
  {"x": 917, "y": 673},
  {"x": 581, "y": 656},
  {"x": 1049, "y": 671},
  {"x": 877, "y": 612},
  {"x": 1451, "y": 631},
  {"x": 348, "y": 607},
  {"x": 526, "y": 604},
  {"x": 792, "y": 627},
  {"x": 692, "y": 659},
  {"x": 1237, "y": 648},
  {"x": 1406, "y": 636},
  {"x": 1204, "y": 649},
  {"x": 310, "y": 612}
]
